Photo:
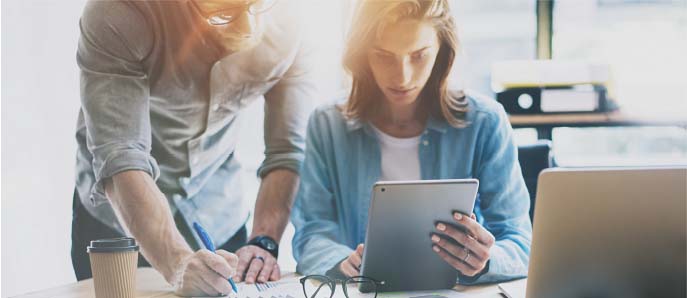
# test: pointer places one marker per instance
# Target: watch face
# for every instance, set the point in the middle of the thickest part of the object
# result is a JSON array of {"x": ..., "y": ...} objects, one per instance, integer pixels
[{"x": 268, "y": 244}]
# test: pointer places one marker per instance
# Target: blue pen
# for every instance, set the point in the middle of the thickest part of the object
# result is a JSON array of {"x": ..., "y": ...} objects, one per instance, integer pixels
[{"x": 211, "y": 247}]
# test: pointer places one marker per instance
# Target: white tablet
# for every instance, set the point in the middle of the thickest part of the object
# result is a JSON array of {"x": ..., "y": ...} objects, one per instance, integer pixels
[{"x": 402, "y": 217}]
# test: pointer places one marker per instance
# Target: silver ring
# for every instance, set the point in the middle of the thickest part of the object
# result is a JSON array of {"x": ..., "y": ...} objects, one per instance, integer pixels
[
  {"x": 260, "y": 258},
  {"x": 467, "y": 256}
]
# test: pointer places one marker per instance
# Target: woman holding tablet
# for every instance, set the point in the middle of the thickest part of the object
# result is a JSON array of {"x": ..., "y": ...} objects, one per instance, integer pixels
[{"x": 400, "y": 122}]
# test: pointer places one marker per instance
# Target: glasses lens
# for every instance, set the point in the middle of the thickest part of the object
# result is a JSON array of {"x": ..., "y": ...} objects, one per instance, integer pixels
[
  {"x": 261, "y": 6},
  {"x": 220, "y": 19},
  {"x": 317, "y": 287},
  {"x": 360, "y": 284}
]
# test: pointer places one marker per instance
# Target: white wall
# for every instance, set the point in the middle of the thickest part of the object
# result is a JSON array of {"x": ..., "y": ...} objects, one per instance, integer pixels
[
  {"x": 39, "y": 107},
  {"x": 40, "y": 102}
]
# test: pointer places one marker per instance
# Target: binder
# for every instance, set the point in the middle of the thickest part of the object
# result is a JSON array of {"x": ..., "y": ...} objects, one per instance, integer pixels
[{"x": 584, "y": 98}]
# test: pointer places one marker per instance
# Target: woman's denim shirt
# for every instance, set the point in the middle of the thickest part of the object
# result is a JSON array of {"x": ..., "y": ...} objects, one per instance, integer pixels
[{"x": 343, "y": 161}]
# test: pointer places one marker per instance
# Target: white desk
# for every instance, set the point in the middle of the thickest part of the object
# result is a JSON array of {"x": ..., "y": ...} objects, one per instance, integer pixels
[{"x": 151, "y": 284}]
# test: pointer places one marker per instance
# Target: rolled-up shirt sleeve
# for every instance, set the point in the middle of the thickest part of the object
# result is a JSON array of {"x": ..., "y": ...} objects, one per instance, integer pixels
[
  {"x": 114, "y": 40},
  {"x": 287, "y": 107},
  {"x": 317, "y": 242},
  {"x": 504, "y": 203}
]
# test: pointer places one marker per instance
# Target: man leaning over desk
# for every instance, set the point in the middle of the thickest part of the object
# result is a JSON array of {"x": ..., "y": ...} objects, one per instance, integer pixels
[{"x": 163, "y": 84}]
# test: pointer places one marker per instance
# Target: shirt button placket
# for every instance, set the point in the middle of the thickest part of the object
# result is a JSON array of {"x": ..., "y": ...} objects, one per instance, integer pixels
[{"x": 194, "y": 152}]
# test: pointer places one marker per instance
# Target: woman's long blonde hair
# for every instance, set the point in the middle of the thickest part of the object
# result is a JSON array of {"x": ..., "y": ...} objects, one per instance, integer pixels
[{"x": 368, "y": 23}]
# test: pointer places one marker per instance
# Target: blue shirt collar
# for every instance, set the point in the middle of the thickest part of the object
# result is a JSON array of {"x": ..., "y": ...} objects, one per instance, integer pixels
[{"x": 433, "y": 123}]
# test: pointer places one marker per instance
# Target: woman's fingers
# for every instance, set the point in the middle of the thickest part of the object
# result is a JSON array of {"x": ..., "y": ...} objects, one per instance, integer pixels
[
  {"x": 474, "y": 228},
  {"x": 478, "y": 249},
  {"x": 356, "y": 259},
  {"x": 458, "y": 251},
  {"x": 351, "y": 265},
  {"x": 465, "y": 269},
  {"x": 348, "y": 269},
  {"x": 470, "y": 251}
]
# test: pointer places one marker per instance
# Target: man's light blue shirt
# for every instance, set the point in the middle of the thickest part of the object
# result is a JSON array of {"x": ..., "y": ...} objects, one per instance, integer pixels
[
  {"x": 160, "y": 95},
  {"x": 343, "y": 161}
]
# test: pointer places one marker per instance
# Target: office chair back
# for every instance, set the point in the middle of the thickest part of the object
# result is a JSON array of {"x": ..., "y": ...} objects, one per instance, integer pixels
[{"x": 533, "y": 159}]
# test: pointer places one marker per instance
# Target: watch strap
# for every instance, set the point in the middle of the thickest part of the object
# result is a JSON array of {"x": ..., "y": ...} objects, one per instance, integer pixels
[{"x": 257, "y": 241}]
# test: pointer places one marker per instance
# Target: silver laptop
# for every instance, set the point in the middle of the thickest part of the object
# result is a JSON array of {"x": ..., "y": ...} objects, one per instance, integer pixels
[{"x": 610, "y": 233}]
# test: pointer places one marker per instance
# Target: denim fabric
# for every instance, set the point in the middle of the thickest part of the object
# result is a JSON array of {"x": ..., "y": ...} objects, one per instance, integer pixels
[{"x": 342, "y": 162}]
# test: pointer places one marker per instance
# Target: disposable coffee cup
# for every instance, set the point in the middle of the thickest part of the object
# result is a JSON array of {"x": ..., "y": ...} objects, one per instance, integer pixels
[{"x": 113, "y": 263}]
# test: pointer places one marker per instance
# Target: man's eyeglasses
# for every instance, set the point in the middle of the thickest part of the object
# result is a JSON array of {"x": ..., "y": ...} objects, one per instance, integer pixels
[
  {"x": 320, "y": 286},
  {"x": 228, "y": 14}
]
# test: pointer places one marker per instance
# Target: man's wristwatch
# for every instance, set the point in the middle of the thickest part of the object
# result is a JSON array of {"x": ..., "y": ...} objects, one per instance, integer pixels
[{"x": 266, "y": 243}]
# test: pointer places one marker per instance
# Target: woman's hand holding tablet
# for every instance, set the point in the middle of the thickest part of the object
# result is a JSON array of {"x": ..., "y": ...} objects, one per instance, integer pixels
[
  {"x": 351, "y": 266},
  {"x": 468, "y": 251}
]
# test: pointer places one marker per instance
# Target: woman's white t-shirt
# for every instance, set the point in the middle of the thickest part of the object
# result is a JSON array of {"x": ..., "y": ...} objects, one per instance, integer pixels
[{"x": 400, "y": 157}]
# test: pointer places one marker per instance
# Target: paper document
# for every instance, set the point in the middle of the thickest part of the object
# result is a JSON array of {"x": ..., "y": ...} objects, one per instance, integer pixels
[
  {"x": 285, "y": 288},
  {"x": 514, "y": 289},
  {"x": 354, "y": 293},
  {"x": 425, "y": 294},
  {"x": 292, "y": 288}
]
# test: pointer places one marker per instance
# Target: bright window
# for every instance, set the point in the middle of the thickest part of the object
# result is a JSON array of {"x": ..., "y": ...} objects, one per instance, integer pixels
[
  {"x": 490, "y": 31},
  {"x": 644, "y": 42}
]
